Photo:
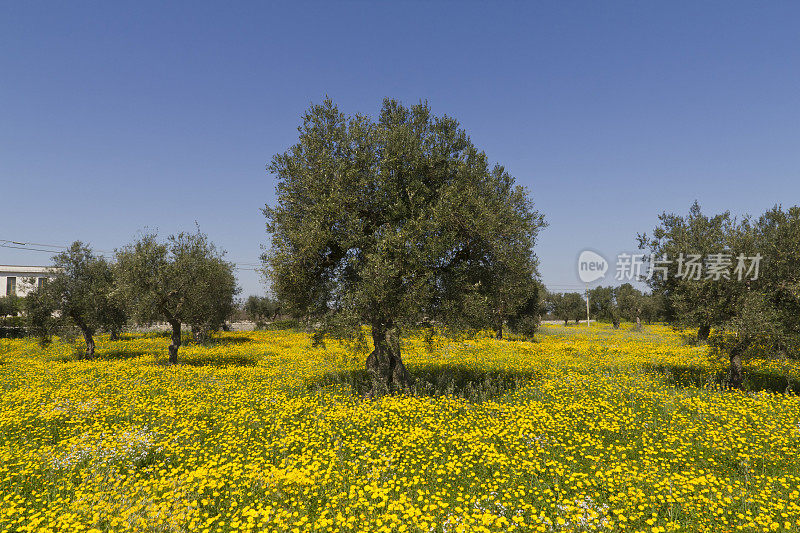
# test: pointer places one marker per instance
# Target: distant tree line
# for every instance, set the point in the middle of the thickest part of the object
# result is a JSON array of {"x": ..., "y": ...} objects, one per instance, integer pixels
[
  {"x": 757, "y": 315},
  {"x": 606, "y": 304},
  {"x": 625, "y": 302}
]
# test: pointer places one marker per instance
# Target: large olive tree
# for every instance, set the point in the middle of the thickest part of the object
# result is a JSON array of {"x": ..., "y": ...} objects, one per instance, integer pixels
[
  {"x": 184, "y": 280},
  {"x": 392, "y": 222}
]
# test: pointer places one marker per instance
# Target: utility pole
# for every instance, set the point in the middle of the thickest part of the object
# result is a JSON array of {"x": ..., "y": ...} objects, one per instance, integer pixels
[{"x": 587, "y": 305}]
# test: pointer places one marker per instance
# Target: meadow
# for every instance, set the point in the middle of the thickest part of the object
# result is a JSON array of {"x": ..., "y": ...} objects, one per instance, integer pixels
[{"x": 581, "y": 430}]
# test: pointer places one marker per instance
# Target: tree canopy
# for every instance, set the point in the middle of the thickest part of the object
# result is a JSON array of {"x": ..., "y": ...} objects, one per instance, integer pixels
[
  {"x": 683, "y": 243},
  {"x": 392, "y": 222},
  {"x": 10, "y": 305},
  {"x": 184, "y": 280},
  {"x": 755, "y": 310},
  {"x": 79, "y": 293},
  {"x": 259, "y": 308}
]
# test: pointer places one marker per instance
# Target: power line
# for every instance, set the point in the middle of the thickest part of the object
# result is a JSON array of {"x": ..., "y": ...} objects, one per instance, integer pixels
[
  {"x": 33, "y": 244},
  {"x": 23, "y": 248},
  {"x": 29, "y": 246}
]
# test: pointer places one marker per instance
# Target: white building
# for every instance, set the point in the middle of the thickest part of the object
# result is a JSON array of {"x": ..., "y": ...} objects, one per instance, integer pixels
[{"x": 20, "y": 280}]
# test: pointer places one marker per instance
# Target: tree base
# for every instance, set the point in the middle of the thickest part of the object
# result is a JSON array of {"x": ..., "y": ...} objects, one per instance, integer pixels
[
  {"x": 176, "y": 343},
  {"x": 735, "y": 374},
  {"x": 385, "y": 365}
]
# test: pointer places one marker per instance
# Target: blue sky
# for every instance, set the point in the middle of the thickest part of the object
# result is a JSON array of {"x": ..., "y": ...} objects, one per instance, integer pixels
[{"x": 119, "y": 116}]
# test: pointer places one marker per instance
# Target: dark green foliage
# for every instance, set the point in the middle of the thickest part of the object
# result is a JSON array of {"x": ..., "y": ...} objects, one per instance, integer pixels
[
  {"x": 568, "y": 306},
  {"x": 525, "y": 321},
  {"x": 40, "y": 318},
  {"x": 756, "y": 330},
  {"x": 776, "y": 236},
  {"x": 629, "y": 302},
  {"x": 751, "y": 316},
  {"x": 701, "y": 303},
  {"x": 394, "y": 223},
  {"x": 10, "y": 305},
  {"x": 261, "y": 308},
  {"x": 182, "y": 281},
  {"x": 554, "y": 306},
  {"x": 602, "y": 304},
  {"x": 277, "y": 325},
  {"x": 12, "y": 327},
  {"x": 613, "y": 304},
  {"x": 78, "y": 294},
  {"x": 575, "y": 306},
  {"x": 651, "y": 307}
]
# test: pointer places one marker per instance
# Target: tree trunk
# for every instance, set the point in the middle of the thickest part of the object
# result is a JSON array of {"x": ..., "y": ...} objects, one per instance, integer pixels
[
  {"x": 87, "y": 336},
  {"x": 384, "y": 364},
  {"x": 735, "y": 377},
  {"x": 176, "y": 342},
  {"x": 114, "y": 334},
  {"x": 498, "y": 328},
  {"x": 703, "y": 332},
  {"x": 565, "y": 321},
  {"x": 200, "y": 334}
]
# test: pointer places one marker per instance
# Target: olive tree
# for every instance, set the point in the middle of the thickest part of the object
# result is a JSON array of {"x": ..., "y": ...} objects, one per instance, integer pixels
[
  {"x": 506, "y": 287},
  {"x": 603, "y": 305},
  {"x": 78, "y": 293},
  {"x": 184, "y": 280},
  {"x": 766, "y": 321},
  {"x": 575, "y": 306},
  {"x": 390, "y": 223},
  {"x": 10, "y": 305},
  {"x": 525, "y": 321},
  {"x": 259, "y": 308},
  {"x": 755, "y": 314},
  {"x": 691, "y": 300}
]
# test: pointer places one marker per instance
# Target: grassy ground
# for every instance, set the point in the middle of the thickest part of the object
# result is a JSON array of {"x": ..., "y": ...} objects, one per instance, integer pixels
[{"x": 582, "y": 430}]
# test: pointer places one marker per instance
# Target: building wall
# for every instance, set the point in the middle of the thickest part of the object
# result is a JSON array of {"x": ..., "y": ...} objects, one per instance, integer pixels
[{"x": 26, "y": 278}]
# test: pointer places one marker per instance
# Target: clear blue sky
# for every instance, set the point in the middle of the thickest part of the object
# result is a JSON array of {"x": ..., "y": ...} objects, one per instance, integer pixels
[{"x": 119, "y": 116}]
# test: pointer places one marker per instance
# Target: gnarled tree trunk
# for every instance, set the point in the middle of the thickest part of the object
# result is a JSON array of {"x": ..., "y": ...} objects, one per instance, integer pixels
[
  {"x": 703, "y": 332},
  {"x": 735, "y": 377},
  {"x": 89, "y": 339},
  {"x": 176, "y": 342},
  {"x": 384, "y": 364}
]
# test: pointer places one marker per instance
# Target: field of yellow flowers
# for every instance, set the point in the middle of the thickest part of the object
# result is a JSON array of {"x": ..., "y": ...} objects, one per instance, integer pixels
[{"x": 582, "y": 430}]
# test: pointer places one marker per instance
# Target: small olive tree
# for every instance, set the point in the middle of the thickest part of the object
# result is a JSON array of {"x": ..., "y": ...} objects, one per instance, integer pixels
[
  {"x": 10, "y": 305},
  {"x": 260, "y": 308},
  {"x": 79, "y": 293},
  {"x": 184, "y": 280},
  {"x": 690, "y": 301}
]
